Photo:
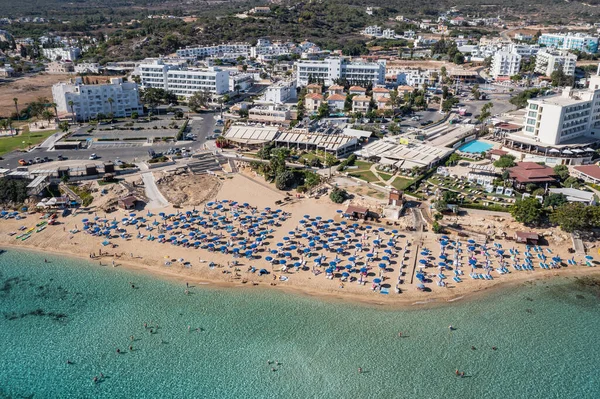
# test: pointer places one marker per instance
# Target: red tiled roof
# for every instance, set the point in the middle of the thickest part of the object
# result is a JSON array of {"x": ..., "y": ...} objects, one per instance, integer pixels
[
  {"x": 523, "y": 235},
  {"x": 357, "y": 88},
  {"x": 315, "y": 96},
  {"x": 336, "y": 97},
  {"x": 531, "y": 172},
  {"x": 380, "y": 90},
  {"x": 497, "y": 151},
  {"x": 591, "y": 170}
]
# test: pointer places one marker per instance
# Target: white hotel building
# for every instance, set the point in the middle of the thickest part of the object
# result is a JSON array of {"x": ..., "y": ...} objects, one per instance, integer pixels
[
  {"x": 182, "y": 81},
  {"x": 230, "y": 49},
  {"x": 62, "y": 53},
  {"x": 91, "y": 100},
  {"x": 331, "y": 69},
  {"x": 548, "y": 61},
  {"x": 505, "y": 64},
  {"x": 559, "y": 129}
]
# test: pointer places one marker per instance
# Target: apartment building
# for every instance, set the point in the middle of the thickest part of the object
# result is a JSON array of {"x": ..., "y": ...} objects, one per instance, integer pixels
[
  {"x": 331, "y": 69},
  {"x": 271, "y": 113},
  {"x": 182, "y": 81},
  {"x": 524, "y": 50},
  {"x": 87, "y": 67},
  {"x": 91, "y": 100},
  {"x": 220, "y": 50},
  {"x": 361, "y": 104},
  {"x": 549, "y": 60},
  {"x": 373, "y": 30},
  {"x": 557, "y": 119},
  {"x": 60, "y": 67},
  {"x": 62, "y": 53},
  {"x": 505, "y": 64},
  {"x": 570, "y": 41},
  {"x": 281, "y": 92}
]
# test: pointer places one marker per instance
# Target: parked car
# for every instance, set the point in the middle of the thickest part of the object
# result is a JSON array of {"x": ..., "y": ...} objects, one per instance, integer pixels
[
  {"x": 22, "y": 162},
  {"x": 60, "y": 157},
  {"x": 93, "y": 156}
]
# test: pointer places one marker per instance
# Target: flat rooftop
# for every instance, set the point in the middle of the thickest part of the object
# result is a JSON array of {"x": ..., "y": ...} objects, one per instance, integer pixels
[{"x": 251, "y": 134}]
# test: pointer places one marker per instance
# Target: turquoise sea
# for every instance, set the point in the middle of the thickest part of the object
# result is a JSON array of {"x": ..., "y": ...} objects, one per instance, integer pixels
[{"x": 546, "y": 336}]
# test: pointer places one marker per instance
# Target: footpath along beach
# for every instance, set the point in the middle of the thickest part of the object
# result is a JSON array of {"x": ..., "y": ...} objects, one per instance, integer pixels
[{"x": 309, "y": 246}]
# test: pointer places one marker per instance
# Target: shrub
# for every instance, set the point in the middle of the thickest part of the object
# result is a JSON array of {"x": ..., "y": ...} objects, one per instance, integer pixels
[{"x": 338, "y": 195}]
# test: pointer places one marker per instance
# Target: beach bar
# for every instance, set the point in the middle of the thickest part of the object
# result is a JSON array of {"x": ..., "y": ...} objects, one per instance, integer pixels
[{"x": 528, "y": 238}]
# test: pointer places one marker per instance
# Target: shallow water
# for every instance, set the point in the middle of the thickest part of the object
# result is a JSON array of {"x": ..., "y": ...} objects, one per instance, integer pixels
[{"x": 545, "y": 335}]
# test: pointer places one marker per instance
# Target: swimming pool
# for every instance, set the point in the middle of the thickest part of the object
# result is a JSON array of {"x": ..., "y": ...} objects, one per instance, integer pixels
[{"x": 475, "y": 147}]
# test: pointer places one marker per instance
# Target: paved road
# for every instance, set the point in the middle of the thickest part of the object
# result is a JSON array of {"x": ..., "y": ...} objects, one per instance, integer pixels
[
  {"x": 202, "y": 125},
  {"x": 155, "y": 197}
]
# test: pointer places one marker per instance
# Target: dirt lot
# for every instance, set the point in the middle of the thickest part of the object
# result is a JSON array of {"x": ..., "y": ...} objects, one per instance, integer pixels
[
  {"x": 187, "y": 189},
  {"x": 30, "y": 88}
]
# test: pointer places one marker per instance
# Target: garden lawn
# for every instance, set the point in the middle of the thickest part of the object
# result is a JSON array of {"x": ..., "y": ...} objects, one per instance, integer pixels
[
  {"x": 8, "y": 144},
  {"x": 365, "y": 175},
  {"x": 385, "y": 176},
  {"x": 401, "y": 183}
]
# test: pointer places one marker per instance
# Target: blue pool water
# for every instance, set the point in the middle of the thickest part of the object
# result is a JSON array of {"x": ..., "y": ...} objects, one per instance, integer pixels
[
  {"x": 546, "y": 334},
  {"x": 475, "y": 147}
]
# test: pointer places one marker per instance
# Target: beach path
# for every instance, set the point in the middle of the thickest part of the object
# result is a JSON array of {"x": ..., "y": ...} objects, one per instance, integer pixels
[{"x": 155, "y": 198}]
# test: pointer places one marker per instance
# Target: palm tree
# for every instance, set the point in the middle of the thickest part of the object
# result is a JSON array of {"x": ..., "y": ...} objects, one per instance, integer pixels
[
  {"x": 53, "y": 105},
  {"x": 71, "y": 103},
  {"x": 48, "y": 115},
  {"x": 16, "y": 101},
  {"x": 110, "y": 102}
]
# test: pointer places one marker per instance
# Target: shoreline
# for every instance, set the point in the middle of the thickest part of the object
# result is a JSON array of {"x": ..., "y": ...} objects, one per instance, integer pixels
[
  {"x": 186, "y": 264},
  {"x": 408, "y": 303}
]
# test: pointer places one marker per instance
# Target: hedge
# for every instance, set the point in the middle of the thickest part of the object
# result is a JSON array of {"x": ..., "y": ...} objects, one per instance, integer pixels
[{"x": 182, "y": 129}]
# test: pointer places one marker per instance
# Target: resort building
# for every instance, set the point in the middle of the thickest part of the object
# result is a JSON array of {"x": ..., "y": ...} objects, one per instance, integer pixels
[
  {"x": 281, "y": 92},
  {"x": 336, "y": 102},
  {"x": 182, "y": 81},
  {"x": 270, "y": 113},
  {"x": 548, "y": 61},
  {"x": 373, "y": 30},
  {"x": 303, "y": 139},
  {"x": 62, "y": 53},
  {"x": 361, "y": 104},
  {"x": 588, "y": 173},
  {"x": 531, "y": 173},
  {"x": 221, "y": 50},
  {"x": 575, "y": 195},
  {"x": 505, "y": 64},
  {"x": 332, "y": 69},
  {"x": 87, "y": 67},
  {"x": 404, "y": 156},
  {"x": 60, "y": 67},
  {"x": 313, "y": 101},
  {"x": 570, "y": 41},
  {"x": 91, "y": 100}
]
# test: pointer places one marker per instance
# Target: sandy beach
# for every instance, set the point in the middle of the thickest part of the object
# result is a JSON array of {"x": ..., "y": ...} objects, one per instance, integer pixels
[{"x": 151, "y": 256}]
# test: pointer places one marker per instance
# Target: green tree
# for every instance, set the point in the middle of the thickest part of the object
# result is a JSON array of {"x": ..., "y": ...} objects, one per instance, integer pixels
[
  {"x": 459, "y": 58},
  {"x": 16, "y": 101},
  {"x": 338, "y": 195},
  {"x": 562, "y": 171},
  {"x": 440, "y": 205},
  {"x": 311, "y": 179},
  {"x": 570, "y": 217},
  {"x": 323, "y": 111},
  {"x": 453, "y": 159},
  {"x": 572, "y": 182},
  {"x": 505, "y": 161},
  {"x": 199, "y": 100},
  {"x": 330, "y": 160},
  {"x": 284, "y": 179},
  {"x": 527, "y": 211},
  {"x": 554, "y": 200},
  {"x": 485, "y": 112}
]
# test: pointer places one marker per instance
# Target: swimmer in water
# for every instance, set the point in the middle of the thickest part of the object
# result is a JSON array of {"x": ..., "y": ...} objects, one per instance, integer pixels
[
  {"x": 132, "y": 338},
  {"x": 457, "y": 372},
  {"x": 360, "y": 370},
  {"x": 118, "y": 350},
  {"x": 130, "y": 348},
  {"x": 68, "y": 361},
  {"x": 95, "y": 379},
  {"x": 462, "y": 374},
  {"x": 494, "y": 348},
  {"x": 472, "y": 348}
]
